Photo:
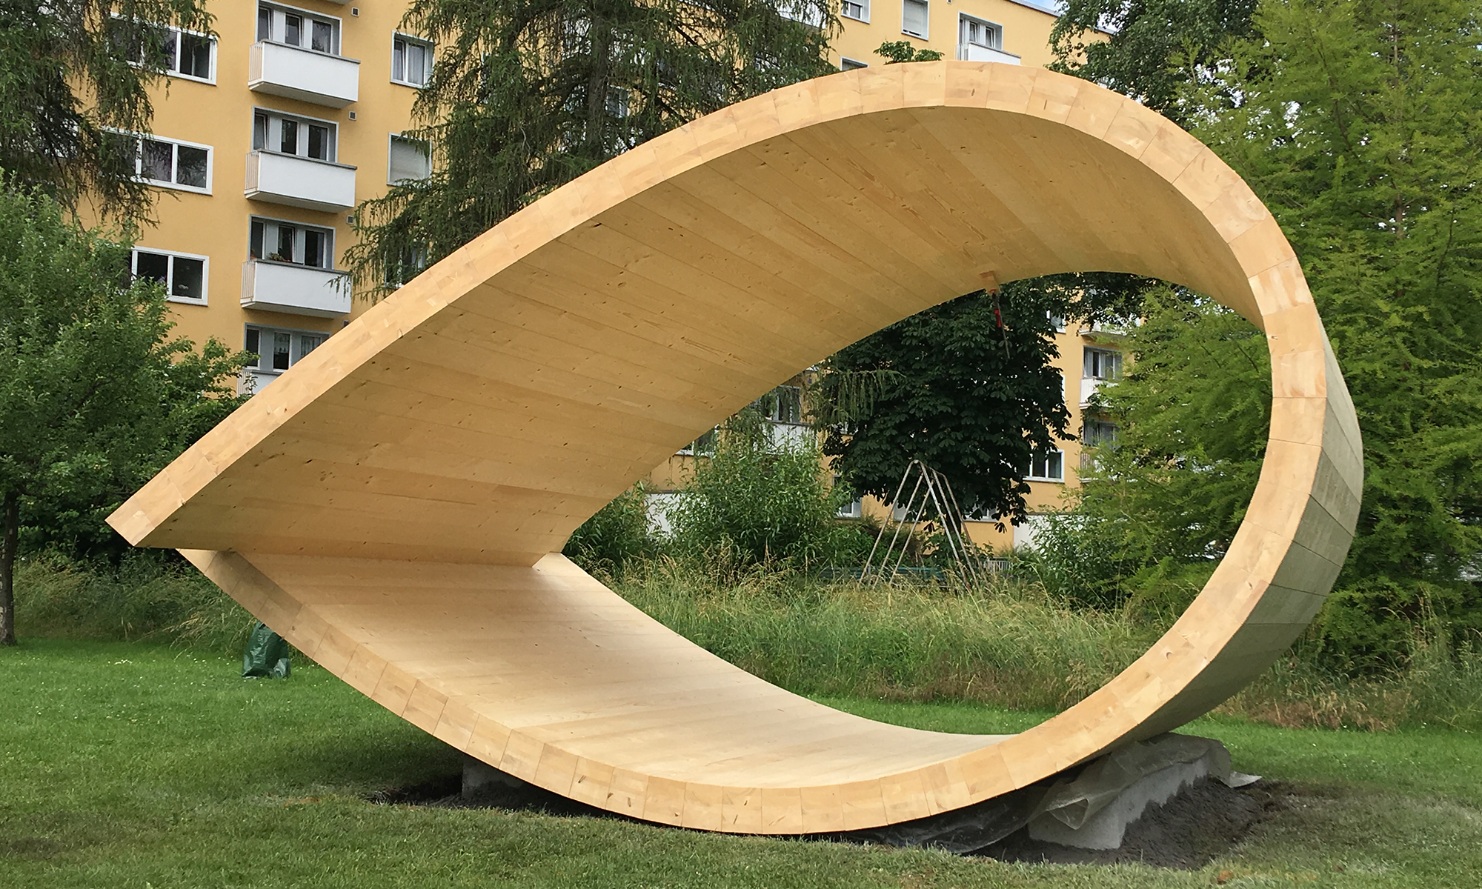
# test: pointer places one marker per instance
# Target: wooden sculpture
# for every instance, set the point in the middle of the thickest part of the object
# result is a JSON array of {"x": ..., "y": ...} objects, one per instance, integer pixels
[{"x": 393, "y": 504}]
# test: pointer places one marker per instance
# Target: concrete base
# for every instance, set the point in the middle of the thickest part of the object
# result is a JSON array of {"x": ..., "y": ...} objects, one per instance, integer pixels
[{"x": 1094, "y": 810}]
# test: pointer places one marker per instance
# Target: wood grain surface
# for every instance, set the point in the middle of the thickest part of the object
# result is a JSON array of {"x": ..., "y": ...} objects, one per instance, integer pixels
[{"x": 391, "y": 505}]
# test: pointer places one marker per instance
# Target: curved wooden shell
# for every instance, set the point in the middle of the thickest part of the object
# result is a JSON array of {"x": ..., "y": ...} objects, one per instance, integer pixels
[{"x": 390, "y": 504}]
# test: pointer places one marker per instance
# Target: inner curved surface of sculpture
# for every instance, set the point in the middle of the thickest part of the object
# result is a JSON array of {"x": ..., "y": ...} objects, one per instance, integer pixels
[{"x": 394, "y": 504}]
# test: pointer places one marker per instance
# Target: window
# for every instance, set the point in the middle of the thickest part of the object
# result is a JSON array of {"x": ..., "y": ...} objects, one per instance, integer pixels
[
  {"x": 295, "y": 27},
  {"x": 278, "y": 350},
  {"x": 179, "y": 53},
  {"x": 1057, "y": 320},
  {"x": 848, "y": 64},
  {"x": 169, "y": 163},
  {"x": 856, "y": 9},
  {"x": 976, "y": 32},
  {"x": 278, "y": 241},
  {"x": 1098, "y": 433},
  {"x": 783, "y": 405},
  {"x": 301, "y": 136},
  {"x": 854, "y": 508},
  {"x": 183, "y": 275},
  {"x": 913, "y": 18},
  {"x": 409, "y": 159},
  {"x": 705, "y": 444},
  {"x": 1047, "y": 466},
  {"x": 1101, "y": 364},
  {"x": 802, "y": 11},
  {"x": 406, "y": 266},
  {"x": 411, "y": 61}
]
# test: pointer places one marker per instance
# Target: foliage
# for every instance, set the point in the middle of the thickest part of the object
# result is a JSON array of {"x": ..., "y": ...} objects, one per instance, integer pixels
[
  {"x": 617, "y": 535},
  {"x": 1077, "y": 560},
  {"x": 1358, "y": 125},
  {"x": 1192, "y": 411},
  {"x": 760, "y": 499},
  {"x": 71, "y": 75},
  {"x": 94, "y": 394},
  {"x": 972, "y": 392},
  {"x": 149, "y": 595},
  {"x": 1148, "y": 49},
  {"x": 896, "y": 51},
  {"x": 524, "y": 98}
]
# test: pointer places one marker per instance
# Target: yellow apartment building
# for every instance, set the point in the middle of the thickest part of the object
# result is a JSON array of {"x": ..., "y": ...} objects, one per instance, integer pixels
[{"x": 268, "y": 136}]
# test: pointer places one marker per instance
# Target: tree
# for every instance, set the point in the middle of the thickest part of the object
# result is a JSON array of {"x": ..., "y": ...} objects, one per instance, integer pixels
[
  {"x": 971, "y": 393},
  {"x": 94, "y": 394},
  {"x": 1358, "y": 125},
  {"x": 72, "y": 76},
  {"x": 1152, "y": 48},
  {"x": 524, "y": 98}
]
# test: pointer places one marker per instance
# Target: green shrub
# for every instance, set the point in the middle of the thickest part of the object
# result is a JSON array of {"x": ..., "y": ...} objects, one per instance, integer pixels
[
  {"x": 755, "y": 501},
  {"x": 1078, "y": 559},
  {"x": 618, "y": 534}
]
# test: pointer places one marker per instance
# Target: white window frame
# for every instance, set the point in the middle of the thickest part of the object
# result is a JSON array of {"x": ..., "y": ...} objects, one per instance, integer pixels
[
  {"x": 391, "y": 141},
  {"x": 848, "y": 64},
  {"x": 139, "y": 139},
  {"x": 176, "y": 34},
  {"x": 173, "y": 255},
  {"x": 795, "y": 10},
  {"x": 407, "y": 40},
  {"x": 1037, "y": 458},
  {"x": 994, "y": 30},
  {"x": 296, "y": 352},
  {"x": 689, "y": 450},
  {"x": 861, "y": 13},
  {"x": 300, "y": 238},
  {"x": 273, "y": 142},
  {"x": 926, "y": 32},
  {"x": 278, "y": 30},
  {"x": 1116, "y": 362}
]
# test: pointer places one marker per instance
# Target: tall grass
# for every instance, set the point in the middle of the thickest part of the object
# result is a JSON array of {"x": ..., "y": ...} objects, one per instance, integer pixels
[
  {"x": 150, "y": 596},
  {"x": 1004, "y": 643},
  {"x": 1010, "y": 644}
]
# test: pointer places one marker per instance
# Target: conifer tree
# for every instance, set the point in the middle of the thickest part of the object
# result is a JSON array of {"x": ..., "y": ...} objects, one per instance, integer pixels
[
  {"x": 526, "y": 96},
  {"x": 72, "y": 74}
]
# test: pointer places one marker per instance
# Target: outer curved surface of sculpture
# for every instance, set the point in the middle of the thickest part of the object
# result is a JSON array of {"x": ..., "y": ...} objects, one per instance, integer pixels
[{"x": 391, "y": 505}]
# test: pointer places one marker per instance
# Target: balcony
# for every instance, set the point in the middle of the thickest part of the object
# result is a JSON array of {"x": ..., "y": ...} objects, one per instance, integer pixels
[
  {"x": 281, "y": 70},
  {"x": 972, "y": 52},
  {"x": 294, "y": 289},
  {"x": 1089, "y": 387},
  {"x": 300, "y": 181}
]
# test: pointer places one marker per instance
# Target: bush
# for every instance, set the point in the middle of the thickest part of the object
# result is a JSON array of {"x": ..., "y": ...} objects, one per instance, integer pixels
[
  {"x": 756, "y": 501},
  {"x": 618, "y": 534},
  {"x": 1078, "y": 559}
]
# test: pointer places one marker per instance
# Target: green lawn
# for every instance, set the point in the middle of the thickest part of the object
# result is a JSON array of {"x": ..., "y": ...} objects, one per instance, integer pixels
[{"x": 138, "y": 766}]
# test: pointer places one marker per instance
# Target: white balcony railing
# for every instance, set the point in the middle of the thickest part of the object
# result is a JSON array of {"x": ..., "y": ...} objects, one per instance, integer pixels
[
  {"x": 1089, "y": 385},
  {"x": 971, "y": 52},
  {"x": 300, "y": 181},
  {"x": 294, "y": 289},
  {"x": 295, "y": 73}
]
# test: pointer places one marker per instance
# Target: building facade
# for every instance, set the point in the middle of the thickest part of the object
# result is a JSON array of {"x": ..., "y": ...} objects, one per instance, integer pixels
[{"x": 268, "y": 136}]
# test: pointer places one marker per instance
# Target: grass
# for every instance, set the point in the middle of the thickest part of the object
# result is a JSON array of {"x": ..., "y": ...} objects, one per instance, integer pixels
[
  {"x": 1010, "y": 645},
  {"x": 139, "y": 765}
]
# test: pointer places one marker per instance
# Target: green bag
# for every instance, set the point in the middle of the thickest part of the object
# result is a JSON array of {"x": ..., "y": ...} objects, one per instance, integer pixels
[{"x": 266, "y": 655}]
